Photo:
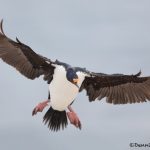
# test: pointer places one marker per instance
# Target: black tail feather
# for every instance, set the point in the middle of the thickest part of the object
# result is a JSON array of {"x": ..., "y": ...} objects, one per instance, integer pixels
[{"x": 55, "y": 119}]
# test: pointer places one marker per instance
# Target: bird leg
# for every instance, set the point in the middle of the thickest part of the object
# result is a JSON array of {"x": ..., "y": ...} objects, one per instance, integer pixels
[
  {"x": 40, "y": 107},
  {"x": 73, "y": 118}
]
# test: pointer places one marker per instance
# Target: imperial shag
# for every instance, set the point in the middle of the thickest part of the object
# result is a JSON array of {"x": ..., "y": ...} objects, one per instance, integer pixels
[{"x": 65, "y": 82}]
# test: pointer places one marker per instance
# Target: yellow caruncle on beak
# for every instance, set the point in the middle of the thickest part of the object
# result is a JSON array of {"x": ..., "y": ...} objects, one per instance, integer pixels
[{"x": 76, "y": 80}]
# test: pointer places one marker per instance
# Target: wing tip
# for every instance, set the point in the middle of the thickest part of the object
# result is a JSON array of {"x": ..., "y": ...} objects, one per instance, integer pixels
[
  {"x": 18, "y": 41},
  {"x": 138, "y": 74},
  {"x": 1, "y": 27}
]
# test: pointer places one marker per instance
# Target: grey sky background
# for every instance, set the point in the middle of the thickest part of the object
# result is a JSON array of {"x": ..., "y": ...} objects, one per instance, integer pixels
[{"x": 103, "y": 36}]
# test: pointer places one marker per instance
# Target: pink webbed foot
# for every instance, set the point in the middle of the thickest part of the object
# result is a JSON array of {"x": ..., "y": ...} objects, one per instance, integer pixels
[
  {"x": 73, "y": 118},
  {"x": 40, "y": 107}
]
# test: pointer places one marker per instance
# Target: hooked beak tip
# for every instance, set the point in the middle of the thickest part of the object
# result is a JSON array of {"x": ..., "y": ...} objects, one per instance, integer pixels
[
  {"x": 75, "y": 81},
  {"x": 77, "y": 86}
]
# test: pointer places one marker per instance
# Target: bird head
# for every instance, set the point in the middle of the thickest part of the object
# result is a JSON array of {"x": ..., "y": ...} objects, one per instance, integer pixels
[{"x": 72, "y": 76}]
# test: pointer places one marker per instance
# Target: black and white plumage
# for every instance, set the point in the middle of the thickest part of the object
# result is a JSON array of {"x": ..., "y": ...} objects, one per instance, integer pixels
[{"x": 65, "y": 81}]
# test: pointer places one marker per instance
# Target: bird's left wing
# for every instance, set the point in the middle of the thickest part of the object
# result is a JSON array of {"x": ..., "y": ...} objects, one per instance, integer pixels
[
  {"x": 23, "y": 58},
  {"x": 117, "y": 88}
]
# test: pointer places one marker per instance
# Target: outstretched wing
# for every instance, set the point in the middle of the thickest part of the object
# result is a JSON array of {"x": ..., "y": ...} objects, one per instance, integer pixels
[
  {"x": 23, "y": 58},
  {"x": 117, "y": 88}
]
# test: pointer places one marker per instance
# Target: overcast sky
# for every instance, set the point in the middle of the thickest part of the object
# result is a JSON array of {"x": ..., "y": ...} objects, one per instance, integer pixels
[{"x": 109, "y": 36}]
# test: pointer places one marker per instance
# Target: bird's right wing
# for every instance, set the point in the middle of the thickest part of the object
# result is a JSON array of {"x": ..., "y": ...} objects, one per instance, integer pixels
[
  {"x": 117, "y": 88},
  {"x": 23, "y": 58}
]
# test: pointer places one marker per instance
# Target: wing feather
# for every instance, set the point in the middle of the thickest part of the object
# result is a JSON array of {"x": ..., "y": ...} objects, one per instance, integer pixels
[
  {"x": 117, "y": 88},
  {"x": 23, "y": 58}
]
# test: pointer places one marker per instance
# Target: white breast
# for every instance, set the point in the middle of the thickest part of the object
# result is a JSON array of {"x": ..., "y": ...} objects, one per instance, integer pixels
[{"x": 63, "y": 92}]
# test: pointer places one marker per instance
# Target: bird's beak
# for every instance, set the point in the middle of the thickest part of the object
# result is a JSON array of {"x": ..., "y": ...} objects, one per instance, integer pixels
[{"x": 75, "y": 81}]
